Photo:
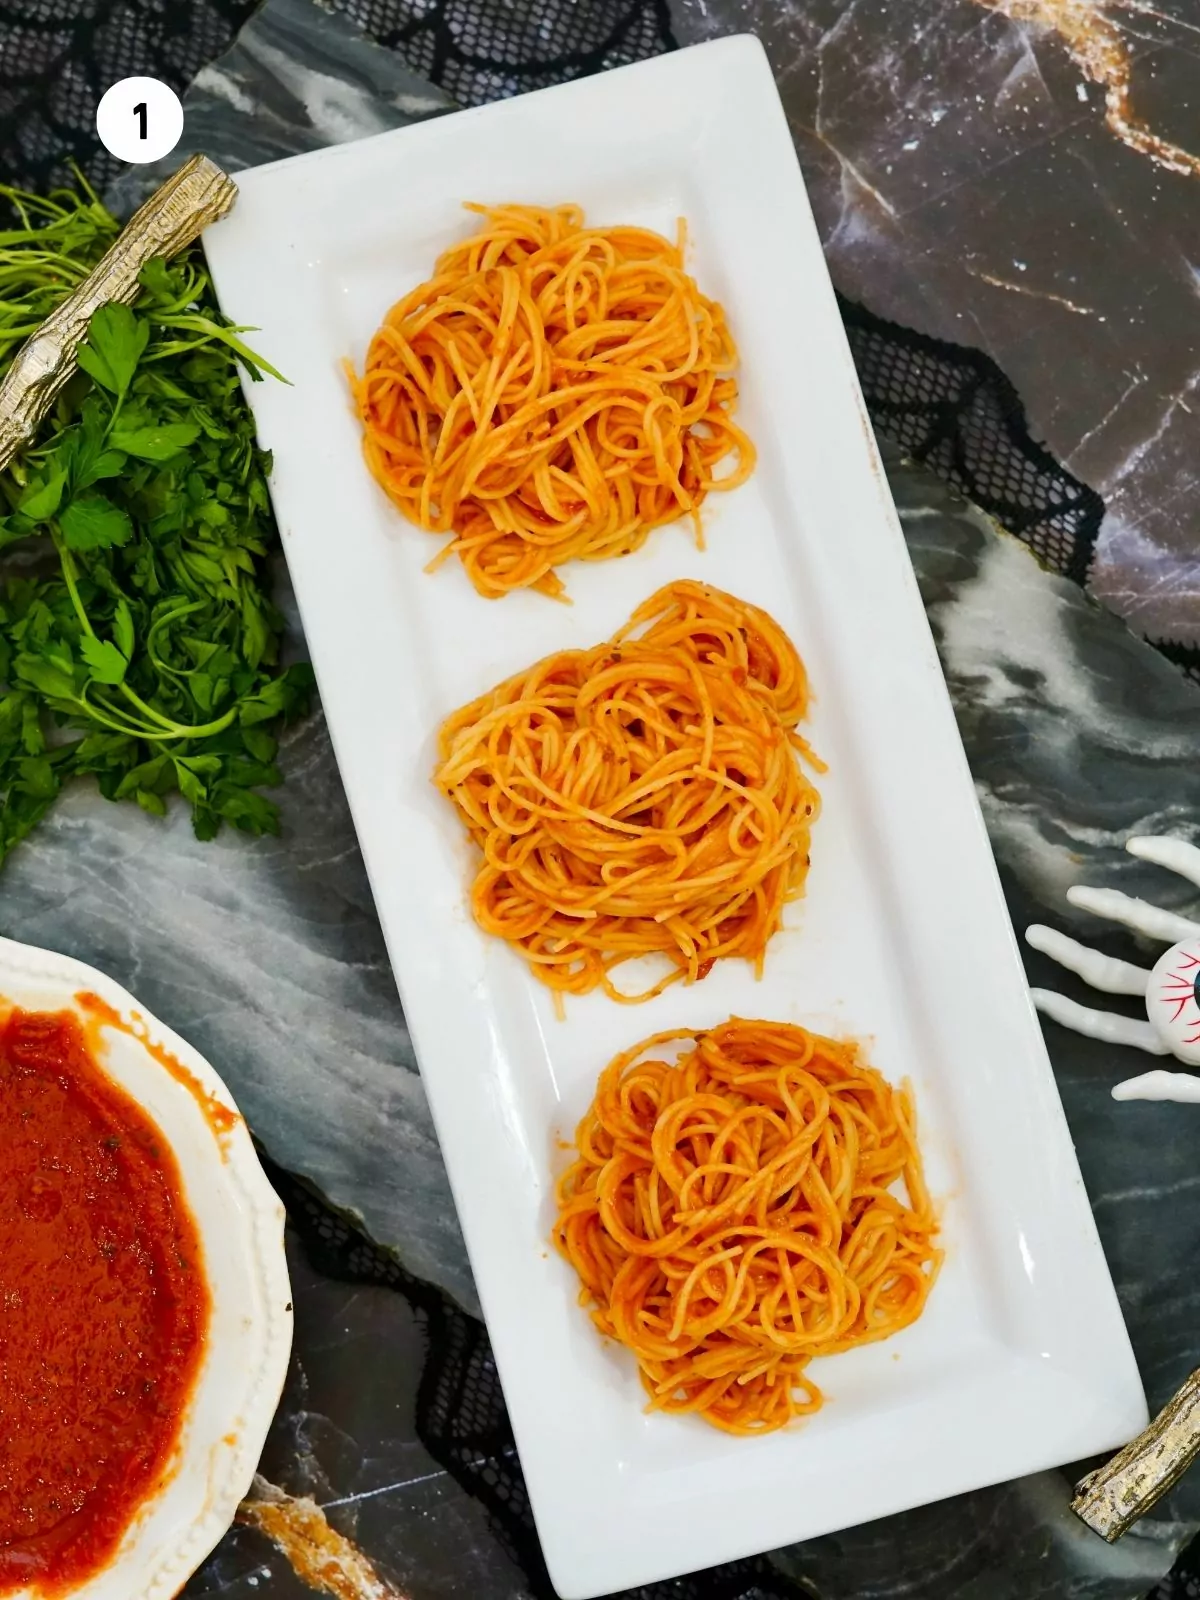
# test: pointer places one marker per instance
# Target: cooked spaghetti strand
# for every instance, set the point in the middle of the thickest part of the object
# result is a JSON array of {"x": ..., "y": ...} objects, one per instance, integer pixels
[
  {"x": 645, "y": 797},
  {"x": 551, "y": 394},
  {"x": 731, "y": 1215}
]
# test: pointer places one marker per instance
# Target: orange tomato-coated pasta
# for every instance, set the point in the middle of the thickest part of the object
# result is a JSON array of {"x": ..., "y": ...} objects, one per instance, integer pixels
[
  {"x": 733, "y": 1214},
  {"x": 643, "y": 798},
  {"x": 551, "y": 394}
]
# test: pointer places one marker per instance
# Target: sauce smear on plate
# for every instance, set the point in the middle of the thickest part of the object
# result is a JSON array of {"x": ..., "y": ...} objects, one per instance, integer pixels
[{"x": 104, "y": 1307}]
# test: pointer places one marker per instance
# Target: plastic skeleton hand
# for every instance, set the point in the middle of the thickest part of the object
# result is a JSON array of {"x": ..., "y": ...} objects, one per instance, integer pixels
[{"x": 1171, "y": 989}]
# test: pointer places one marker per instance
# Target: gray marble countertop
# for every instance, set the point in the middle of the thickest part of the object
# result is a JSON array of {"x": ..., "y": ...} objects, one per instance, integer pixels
[
  {"x": 1022, "y": 176},
  {"x": 268, "y": 955}
]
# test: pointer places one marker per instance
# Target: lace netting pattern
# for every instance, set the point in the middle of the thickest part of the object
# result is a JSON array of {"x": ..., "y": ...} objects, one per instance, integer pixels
[
  {"x": 57, "y": 57},
  {"x": 486, "y": 52},
  {"x": 953, "y": 409},
  {"x": 945, "y": 405}
]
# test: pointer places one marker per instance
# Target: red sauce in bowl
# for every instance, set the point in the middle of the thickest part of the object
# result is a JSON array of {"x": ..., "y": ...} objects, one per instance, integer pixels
[{"x": 104, "y": 1307}]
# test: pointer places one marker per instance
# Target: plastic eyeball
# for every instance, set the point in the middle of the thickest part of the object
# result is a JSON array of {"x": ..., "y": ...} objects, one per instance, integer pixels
[{"x": 1173, "y": 1000}]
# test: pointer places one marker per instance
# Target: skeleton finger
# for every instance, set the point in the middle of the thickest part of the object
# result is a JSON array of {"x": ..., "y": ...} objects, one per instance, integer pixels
[
  {"x": 1160, "y": 1085},
  {"x": 1174, "y": 854},
  {"x": 1137, "y": 914},
  {"x": 1101, "y": 971},
  {"x": 1099, "y": 1024}
]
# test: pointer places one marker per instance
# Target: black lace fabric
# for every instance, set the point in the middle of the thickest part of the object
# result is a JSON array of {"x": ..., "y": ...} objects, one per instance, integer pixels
[
  {"x": 947, "y": 406},
  {"x": 487, "y": 52},
  {"x": 57, "y": 57},
  {"x": 955, "y": 411}
]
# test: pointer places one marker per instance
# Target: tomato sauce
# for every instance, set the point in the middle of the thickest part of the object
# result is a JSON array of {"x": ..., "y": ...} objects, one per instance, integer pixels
[
  {"x": 222, "y": 1119},
  {"x": 104, "y": 1307}
]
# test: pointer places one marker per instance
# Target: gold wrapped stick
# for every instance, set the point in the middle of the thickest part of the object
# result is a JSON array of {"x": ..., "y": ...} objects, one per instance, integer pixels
[
  {"x": 175, "y": 215},
  {"x": 1111, "y": 1499}
]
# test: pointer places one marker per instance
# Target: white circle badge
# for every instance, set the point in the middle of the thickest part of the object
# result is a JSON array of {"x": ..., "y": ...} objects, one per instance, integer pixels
[{"x": 139, "y": 119}]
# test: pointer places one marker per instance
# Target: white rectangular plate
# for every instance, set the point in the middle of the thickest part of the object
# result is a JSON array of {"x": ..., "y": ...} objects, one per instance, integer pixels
[{"x": 1021, "y": 1360}]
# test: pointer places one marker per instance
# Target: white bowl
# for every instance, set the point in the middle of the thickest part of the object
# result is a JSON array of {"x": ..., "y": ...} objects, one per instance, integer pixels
[{"x": 240, "y": 1221}]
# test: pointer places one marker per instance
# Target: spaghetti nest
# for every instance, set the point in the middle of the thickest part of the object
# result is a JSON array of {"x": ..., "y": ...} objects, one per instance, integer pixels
[
  {"x": 551, "y": 394},
  {"x": 731, "y": 1216},
  {"x": 641, "y": 798}
]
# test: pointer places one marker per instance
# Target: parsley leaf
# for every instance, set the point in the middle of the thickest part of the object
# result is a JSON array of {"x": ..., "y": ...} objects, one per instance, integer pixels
[
  {"x": 105, "y": 660},
  {"x": 50, "y": 677},
  {"x": 92, "y": 522},
  {"x": 155, "y": 442},
  {"x": 143, "y": 652},
  {"x": 41, "y": 497},
  {"x": 114, "y": 346}
]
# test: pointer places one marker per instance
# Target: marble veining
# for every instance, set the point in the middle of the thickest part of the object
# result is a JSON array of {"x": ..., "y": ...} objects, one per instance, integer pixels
[
  {"x": 325, "y": 1559},
  {"x": 1099, "y": 46},
  {"x": 345, "y": 1443},
  {"x": 297, "y": 77},
  {"x": 1021, "y": 176}
]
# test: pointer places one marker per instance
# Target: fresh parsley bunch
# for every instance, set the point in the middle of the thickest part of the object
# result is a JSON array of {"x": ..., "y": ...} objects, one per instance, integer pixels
[{"x": 138, "y": 642}]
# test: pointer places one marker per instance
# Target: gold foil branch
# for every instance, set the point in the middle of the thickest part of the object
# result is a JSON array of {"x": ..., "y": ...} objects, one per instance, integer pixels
[
  {"x": 175, "y": 215},
  {"x": 1111, "y": 1499}
]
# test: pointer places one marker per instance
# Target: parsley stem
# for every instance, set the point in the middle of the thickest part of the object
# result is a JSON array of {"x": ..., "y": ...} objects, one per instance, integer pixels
[
  {"x": 156, "y": 628},
  {"x": 108, "y": 717},
  {"x": 67, "y": 562},
  {"x": 227, "y": 334},
  {"x": 113, "y": 718},
  {"x": 170, "y": 728},
  {"x": 178, "y": 730}
]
